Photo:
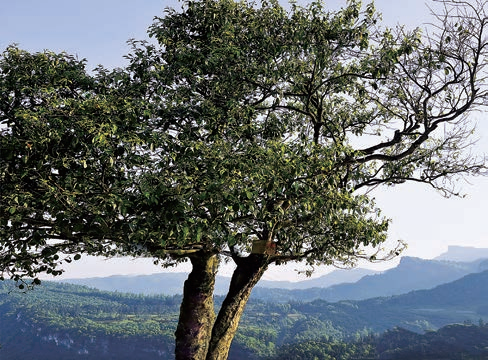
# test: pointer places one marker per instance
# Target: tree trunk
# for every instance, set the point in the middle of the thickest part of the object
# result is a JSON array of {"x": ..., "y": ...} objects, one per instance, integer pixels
[
  {"x": 248, "y": 272},
  {"x": 197, "y": 314}
]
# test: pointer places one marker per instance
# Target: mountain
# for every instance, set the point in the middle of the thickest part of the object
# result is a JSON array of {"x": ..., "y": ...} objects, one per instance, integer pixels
[
  {"x": 333, "y": 278},
  {"x": 63, "y": 321},
  {"x": 410, "y": 274},
  {"x": 161, "y": 283},
  {"x": 172, "y": 283},
  {"x": 469, "y": 294},
  {"x": 463, "y": 300},
  {"x": 463, "y": 253},
  {"x": 356, "y": 284}
]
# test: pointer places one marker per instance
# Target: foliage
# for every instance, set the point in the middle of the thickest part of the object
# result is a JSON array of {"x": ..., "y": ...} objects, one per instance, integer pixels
[
  {"x": 231, "y": 131},
  {"x": 66, "y": 172},
  {"x": 244, "y": 123}
]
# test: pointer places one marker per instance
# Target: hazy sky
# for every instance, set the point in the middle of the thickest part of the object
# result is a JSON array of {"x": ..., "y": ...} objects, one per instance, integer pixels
[{"x": 98, "y": 31}]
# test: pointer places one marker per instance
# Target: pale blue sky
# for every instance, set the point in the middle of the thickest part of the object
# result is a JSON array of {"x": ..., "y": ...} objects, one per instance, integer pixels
[
  {"x": 98, "y": 31},
  {"x": 93, "y": 29}
]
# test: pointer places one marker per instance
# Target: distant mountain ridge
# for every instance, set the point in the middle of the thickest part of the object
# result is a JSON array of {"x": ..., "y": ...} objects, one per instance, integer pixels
[
  {"x": 463, "y": 254},
  {"x": 411, "y": 274},
  {"x": 172, "y": 283},
  {"x": 459, "y": 301},
  {"x": 335, "y": 277}
]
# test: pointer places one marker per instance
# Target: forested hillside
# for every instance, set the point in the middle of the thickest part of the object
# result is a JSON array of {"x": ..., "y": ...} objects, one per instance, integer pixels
[
  {"x": 76, "y": 322},
  {"x": 452, "y": 342}
]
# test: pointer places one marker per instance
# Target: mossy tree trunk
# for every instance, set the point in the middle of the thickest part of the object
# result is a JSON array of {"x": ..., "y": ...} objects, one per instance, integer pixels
[
  {"x": 197, "y": 314},
  {"x": 246, "y": 275}
]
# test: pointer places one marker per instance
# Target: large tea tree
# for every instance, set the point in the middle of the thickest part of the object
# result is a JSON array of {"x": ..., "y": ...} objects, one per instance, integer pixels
[{"x": 247, "y": 133}]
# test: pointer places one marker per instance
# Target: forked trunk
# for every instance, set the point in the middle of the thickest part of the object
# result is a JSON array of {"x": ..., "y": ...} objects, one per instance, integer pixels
[
  {"x": 248, "y": 272},
  {"x": 197, "y": 314}
]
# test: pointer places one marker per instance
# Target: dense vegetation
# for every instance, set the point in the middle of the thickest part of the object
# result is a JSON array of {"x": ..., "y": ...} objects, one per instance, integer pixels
[
  {"x": 451, "y": 342},
  {"x": 79, "y": 322},
  {"x": 73, "y": 320}
]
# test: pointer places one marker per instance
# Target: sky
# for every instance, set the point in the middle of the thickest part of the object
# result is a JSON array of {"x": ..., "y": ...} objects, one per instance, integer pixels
[{"x": 98, "y": 31}]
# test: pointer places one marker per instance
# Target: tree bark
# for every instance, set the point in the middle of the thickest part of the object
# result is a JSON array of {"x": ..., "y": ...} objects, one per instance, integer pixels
[
  {"x": 247, "y": 273},
  {"x": 197, "y": 314}
]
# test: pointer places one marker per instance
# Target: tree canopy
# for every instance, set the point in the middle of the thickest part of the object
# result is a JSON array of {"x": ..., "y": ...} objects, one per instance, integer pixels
[{"x": 246, "y": 131}]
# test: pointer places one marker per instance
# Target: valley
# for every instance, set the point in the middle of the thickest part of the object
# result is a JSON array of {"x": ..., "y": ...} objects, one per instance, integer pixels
[{"x": 79, "y": 322}]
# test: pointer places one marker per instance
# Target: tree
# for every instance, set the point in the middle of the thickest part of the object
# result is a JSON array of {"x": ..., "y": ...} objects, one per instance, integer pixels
[{"x": 248, "y": 133}]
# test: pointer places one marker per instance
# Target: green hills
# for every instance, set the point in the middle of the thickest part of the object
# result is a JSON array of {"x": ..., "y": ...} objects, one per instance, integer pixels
[{"x": 76, "y": 322}]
